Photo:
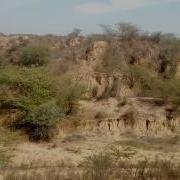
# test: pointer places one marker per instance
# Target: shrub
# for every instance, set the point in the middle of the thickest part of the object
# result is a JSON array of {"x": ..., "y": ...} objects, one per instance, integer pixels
[
  {"x": 69, "y": 94},
  {"x": 155, "y": 86},
  {"x": 142, "y": 78},
  {"x": 172, "y": 91},
  {"x": 112, "y": 60},
  {"x": 97, "y": 167},
  {"x": 34, "y": 55},
  {"x": 25, "y": 87},
  {"x": 40, "y": 122},
  {"x": 29, "y": 91},
  {"x": 3, "y": 62},
  {"x": 169, "y": 55}
]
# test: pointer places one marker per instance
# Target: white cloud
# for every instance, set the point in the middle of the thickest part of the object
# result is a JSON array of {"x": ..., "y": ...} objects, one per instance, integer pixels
[{"x": 95, "y": 8}]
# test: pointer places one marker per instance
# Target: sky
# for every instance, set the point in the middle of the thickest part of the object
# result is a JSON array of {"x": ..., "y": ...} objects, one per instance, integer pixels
[{"x": 62, "y": 16}]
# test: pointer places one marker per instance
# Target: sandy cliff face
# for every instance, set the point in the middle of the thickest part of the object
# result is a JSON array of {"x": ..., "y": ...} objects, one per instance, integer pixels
[
  {"x": 150, "y": 118},
  {"x": 104, "y": 83},
  {"x": 140, "y": 116}
]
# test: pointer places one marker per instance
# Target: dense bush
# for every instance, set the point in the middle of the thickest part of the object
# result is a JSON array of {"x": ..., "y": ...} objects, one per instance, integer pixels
[
  {"x": 31, "y": 92},
  {"x": 41, "y": 121},
  {"x": 25, "y": 87},
  {"x": 34, "y": 55},
  {"x": 28, "y": 90}
]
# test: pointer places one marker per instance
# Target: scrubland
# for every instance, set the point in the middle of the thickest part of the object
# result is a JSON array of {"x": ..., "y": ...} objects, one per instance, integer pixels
[{"x": 97, "y": 107}]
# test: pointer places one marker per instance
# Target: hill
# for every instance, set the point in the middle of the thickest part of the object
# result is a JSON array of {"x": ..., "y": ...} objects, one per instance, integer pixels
[{"x": 115, "y": 95}]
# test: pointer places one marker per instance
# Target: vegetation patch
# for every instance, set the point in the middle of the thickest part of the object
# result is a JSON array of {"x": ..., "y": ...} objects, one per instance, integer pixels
[
  {"x": 40, "y": 122},
  {"x": 43, "y": 100},
  {"x": 69, "y": 95},
  {"x": 24, "y": 88},
  {"x": 154, "y": 86},
  {"x": 105, "y": 166},
  {"x": 34, "y": 56}
]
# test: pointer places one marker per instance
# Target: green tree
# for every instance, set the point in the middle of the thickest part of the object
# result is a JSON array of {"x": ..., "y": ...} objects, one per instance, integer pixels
[
  {"x": 34, "y": 55},
  {"x": 41, "y": 121}
]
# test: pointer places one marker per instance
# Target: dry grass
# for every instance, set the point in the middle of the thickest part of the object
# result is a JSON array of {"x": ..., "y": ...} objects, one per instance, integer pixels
[
  {"x": 101, "y": 166},
  {"x": 53, "y": 174},
  {"x": 110, "y": 166},
  {"x": 7, "y": 139},
  {"x": 164, "y": 144},
  {"x": 116, "y": 162}
]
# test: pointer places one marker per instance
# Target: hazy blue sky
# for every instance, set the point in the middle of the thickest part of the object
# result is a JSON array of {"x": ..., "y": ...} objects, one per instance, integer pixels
[{"x": 61, "y": 16}]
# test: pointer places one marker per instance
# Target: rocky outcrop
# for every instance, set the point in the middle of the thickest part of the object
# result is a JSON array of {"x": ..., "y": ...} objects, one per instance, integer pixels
[
  {"x": 105, "y": 84},
  {"x": 96, "y": 51},
  {"x": 74, "y": 41}
]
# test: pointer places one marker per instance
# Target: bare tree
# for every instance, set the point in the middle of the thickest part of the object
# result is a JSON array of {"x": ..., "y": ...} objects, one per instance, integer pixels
[
  {"x": 123, "y": 30},
  {"x": 107, "y": 29},
  {"x": 127, "y": 30},
  {"x": 76, "y": 32}
]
